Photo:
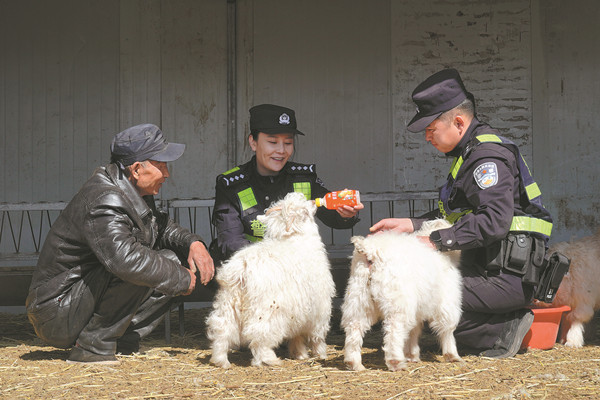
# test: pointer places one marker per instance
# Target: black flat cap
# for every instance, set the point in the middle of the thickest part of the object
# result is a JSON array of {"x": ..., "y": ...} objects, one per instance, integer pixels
[
  {"x": 143, "y": 142},
  {"x": 269, "y": 118},
  {"x": 439, "y": 93}
]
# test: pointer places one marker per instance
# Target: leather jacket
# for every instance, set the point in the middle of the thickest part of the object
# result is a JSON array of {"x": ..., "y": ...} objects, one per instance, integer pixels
[{"x": 109, "y": 225}]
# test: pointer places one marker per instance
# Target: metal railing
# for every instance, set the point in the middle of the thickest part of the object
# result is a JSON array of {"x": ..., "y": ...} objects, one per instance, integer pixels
[
  {"x": 195, "y": 215},
  {"x": 23, "y": 229},
  {"x": 23, "y": 226}
]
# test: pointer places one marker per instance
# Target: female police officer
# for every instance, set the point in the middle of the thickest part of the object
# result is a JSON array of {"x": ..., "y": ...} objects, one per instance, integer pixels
[{"x": 244, "y": 192}]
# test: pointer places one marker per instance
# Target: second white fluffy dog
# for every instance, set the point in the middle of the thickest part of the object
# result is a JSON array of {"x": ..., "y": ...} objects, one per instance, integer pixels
[{"x": 396, "y": 278}]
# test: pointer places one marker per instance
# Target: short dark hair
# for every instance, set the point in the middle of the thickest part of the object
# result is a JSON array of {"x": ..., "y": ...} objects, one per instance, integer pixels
[
  {"x": 255, "y": 133},
  {"x": 465, "y": 107}
]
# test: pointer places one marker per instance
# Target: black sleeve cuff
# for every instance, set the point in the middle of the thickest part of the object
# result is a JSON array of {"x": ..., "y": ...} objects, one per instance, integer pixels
[{"x": 436, "y": 238}]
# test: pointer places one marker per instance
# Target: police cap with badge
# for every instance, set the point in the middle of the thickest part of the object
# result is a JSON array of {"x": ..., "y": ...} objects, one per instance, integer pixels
[
  {"x": 269, "y": 119},
  {"x": 273, "y": 119},
  {"x": 437, "y": 94}
]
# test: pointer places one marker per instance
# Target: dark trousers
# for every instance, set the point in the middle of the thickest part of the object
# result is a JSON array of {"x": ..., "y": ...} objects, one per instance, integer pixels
[
  {"x": 99, "y": 310},
  {"x": 488, "y": 303}
]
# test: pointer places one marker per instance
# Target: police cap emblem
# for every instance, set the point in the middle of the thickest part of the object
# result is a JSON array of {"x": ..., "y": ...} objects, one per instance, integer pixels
[{"x": 284, "y": 119}]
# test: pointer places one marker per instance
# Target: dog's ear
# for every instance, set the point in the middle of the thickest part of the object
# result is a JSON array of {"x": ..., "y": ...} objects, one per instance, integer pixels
[
  {"x": 359, "y": 243},
  {"x": 273, "y": 210},
  {"x": 289, "y": 224},
  {"x": 367, "y": 246}
]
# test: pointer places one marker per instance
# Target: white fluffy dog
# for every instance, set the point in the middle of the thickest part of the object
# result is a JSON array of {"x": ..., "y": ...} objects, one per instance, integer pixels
[
  {"x": 580, "y": 288},
  {"x": 397, "y": 278},
  {"x": 278, "y": 289}
]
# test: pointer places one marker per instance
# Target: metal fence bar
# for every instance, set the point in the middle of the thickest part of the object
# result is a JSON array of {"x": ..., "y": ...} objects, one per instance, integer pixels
[
  {"x": 1, "y": 226},
  {"x": 199, "y": 215},
  {"x": 12, "y": 233},
  {"x": 35, "y": 245},
  {"x": 213, "y": 229},
  {"x": 28, "y": 235},
  {"x": 41, "y": 206}
]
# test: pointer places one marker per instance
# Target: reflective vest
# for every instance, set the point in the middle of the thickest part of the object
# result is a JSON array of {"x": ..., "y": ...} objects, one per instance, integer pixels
[
  {"x": 247, "y": 200},
  {"x": 538, "y": 219}
]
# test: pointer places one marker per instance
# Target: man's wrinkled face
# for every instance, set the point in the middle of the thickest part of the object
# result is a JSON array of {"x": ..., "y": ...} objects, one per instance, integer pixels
[{"x": 148, "y": 176}]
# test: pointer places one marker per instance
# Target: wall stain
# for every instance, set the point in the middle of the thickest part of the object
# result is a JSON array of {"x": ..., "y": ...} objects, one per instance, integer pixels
[
  {"x": 200, "y": 113},
  {"x": 576, "y": 219},
  {"x": 435, "y": 37}
]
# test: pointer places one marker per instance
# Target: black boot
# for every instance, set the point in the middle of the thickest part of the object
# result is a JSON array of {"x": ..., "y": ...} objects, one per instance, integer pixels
[
  {"x": 81, "y": 356},
  {"x": 509, "y": 342},
  {"x": 128, "y": 344}
]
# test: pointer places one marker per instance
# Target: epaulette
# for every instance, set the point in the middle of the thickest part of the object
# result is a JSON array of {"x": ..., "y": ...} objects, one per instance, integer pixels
[
  {"x": 497, "y": 140},
  {"x": 297, "y": 168},
  {"x": 233, "y": 177},
  {"x": 469, "y": 148}
]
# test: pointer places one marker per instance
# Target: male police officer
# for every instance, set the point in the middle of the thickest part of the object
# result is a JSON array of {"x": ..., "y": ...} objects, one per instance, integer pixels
[
  {"x": 110, "y": 263},
  {"x": 500, "y": 224}
]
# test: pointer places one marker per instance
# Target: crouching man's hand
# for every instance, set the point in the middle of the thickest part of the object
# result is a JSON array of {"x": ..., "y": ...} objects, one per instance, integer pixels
[
  {"x": 192, "y": 283},
  {"x": 199, "y": 259}
]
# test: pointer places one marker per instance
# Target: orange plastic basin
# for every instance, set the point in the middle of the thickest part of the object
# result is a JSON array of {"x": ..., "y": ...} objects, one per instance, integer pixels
[{"x": 543, "y": 331}]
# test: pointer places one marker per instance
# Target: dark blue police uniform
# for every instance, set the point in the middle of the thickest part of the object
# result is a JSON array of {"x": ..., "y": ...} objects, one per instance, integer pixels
[
  {"x": 489, "y": 198},
  {"x": 242, "y": 194},
  {"x": 500, "y": 224}
]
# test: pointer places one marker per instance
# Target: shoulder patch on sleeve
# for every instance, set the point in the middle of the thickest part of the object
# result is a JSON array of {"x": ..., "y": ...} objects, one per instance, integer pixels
[{"x": 486, "y": 175}]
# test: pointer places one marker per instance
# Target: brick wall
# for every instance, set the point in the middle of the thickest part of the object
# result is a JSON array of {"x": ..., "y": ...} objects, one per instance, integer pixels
[{"x": 489, "y": 43}]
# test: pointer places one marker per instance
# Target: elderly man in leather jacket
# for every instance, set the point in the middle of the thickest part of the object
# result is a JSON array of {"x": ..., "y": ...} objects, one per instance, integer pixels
[{"x": 111, "y": 262}]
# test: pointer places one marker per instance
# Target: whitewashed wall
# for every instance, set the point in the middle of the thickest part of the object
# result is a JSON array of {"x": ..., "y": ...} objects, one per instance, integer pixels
[
  {"x": 566, "y": 87},
  {"x": 330, "y": 62},
  {"x": 74, "y": 72},
  {"x": 173, "y": 73},
  {"x": 489, "y": 42},
  {"x": 59, "y": 82}
]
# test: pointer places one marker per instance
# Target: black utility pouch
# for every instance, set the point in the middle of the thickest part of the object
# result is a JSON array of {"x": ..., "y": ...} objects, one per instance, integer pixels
[
  {"x": 556, "y": 268},
  {"x": 518, "y": 253},
  {"x": 532, "y": 275},
  {"x": 496, "y": 256}
]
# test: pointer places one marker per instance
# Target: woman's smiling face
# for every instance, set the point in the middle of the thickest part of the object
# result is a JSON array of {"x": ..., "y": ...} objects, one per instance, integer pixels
[{"x": 272, "y": 151}]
